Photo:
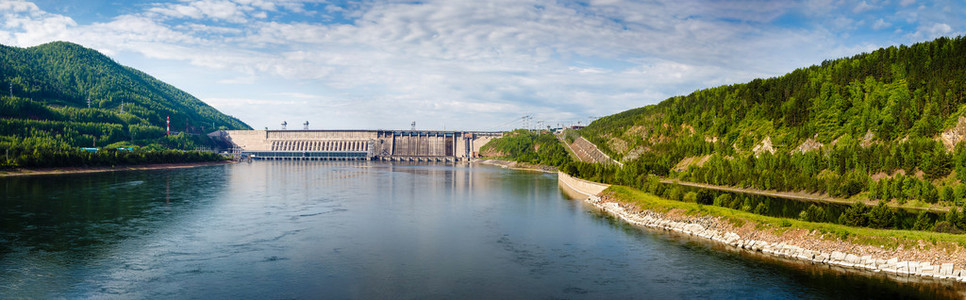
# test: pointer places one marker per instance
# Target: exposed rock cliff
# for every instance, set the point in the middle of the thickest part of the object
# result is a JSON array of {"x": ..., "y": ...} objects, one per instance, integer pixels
[{"x": 951, "y": 137}]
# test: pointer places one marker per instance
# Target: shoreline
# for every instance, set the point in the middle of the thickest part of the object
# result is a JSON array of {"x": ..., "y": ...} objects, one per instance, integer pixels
[
  {"x": 506, "y": 164},
  {"x": 798, "y": 244},
  {"x": 85, "y": 170}
]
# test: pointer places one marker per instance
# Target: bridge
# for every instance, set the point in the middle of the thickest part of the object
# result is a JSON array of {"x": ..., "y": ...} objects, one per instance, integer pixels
[{"x": 393, "y": 145}]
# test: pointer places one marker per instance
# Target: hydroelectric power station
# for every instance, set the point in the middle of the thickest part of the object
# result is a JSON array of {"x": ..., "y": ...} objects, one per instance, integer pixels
[{"x": 394, "y": 145}]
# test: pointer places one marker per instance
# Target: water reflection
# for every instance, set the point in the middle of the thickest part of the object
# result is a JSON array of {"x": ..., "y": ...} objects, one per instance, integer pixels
[
  {"x": 363, "y": 230},
  {"x": 55, "y": 225}
]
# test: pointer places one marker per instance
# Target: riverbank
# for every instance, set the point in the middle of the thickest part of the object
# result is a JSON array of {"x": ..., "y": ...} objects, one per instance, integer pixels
[
  {"x": 79, "y": 170},
  {"x": 898, "y": 253},
  {"x": 516, "y": 165}
]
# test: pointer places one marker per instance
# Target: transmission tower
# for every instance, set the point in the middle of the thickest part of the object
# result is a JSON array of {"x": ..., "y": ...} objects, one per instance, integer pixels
[{"x": 527, "y": 121}]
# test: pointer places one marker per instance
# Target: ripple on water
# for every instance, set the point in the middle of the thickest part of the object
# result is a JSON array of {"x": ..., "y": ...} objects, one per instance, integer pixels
[
  {"x": 274, "y": 258},
  {"x": 264, "y": 230},
  {"x": 335, "y": 210}
]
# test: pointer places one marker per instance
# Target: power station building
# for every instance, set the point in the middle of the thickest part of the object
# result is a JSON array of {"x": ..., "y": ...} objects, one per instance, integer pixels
[{"x": 396, "y": 145}]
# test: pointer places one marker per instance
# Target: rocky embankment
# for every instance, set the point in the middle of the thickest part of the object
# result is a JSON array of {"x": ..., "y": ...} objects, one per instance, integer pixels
[{"x": 795, "y": 243}]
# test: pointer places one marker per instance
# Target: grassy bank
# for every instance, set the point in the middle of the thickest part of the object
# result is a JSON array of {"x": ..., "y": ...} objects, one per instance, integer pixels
[{"x": 882, "y": 238}]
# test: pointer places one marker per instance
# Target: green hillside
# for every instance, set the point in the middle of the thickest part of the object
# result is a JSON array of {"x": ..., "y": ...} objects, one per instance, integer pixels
[
  {"x": 888, "y": 95},
  {"x": 835, "y": 128},
  {"x": 884, "y": 126},
  {"x": 46, "y": 91},
  {"x": 63, "y": 74}
]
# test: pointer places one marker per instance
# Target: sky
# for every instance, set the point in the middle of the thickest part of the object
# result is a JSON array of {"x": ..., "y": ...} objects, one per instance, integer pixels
[{"x": 466, "y": 64}]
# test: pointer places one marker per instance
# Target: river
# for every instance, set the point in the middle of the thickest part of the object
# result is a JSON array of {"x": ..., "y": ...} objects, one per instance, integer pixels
[{"x": 369, "y": 230}]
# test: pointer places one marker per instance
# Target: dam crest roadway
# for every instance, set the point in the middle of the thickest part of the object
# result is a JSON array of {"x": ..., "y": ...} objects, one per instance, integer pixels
[{"x": 390, "y": 145}]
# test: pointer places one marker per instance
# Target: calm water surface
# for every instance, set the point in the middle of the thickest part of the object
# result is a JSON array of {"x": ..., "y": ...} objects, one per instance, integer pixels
[{"x": 367, "y": 230}]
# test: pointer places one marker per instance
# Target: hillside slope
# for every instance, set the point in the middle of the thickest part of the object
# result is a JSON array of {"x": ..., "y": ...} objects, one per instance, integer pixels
[
  {"x": 63, "y": 74},
  {"x": 884, "y": 125},
  {"x": 885, "y": 96},
  {"x": 45, "y": 118}
]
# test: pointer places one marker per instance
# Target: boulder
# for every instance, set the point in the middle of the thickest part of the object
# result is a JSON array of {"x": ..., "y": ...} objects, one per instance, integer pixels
[{"x": 838, "y": 256}]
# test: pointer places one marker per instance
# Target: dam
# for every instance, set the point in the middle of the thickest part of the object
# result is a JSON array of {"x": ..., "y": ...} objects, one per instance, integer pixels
[{"x": 391, "y": 145}]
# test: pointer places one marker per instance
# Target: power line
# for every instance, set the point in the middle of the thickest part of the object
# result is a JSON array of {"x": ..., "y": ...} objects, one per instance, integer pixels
[{"x": 505, "y": 124}]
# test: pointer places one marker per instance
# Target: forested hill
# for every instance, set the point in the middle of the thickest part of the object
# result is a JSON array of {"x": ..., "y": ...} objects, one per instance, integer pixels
[
  {"x": 45, "y": 119},
  {"x": 883, "y": 125},
  {"x": 892, "y": 93},
  {"x": 65, "y": 75}
]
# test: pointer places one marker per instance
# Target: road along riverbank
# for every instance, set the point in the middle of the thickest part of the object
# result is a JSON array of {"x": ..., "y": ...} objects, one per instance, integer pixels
[
  {"x": 898, "y": 253},
  {"x": 808, "y": 197}
]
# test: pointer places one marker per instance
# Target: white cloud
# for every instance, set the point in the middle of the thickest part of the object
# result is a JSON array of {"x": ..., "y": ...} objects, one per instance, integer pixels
[
  {"x": 220, "y": 10},
  {"x": 397, "y": 61},
  {"x": 931, "y": 31},
  {"x": 843, "y": 23},
  {"x": 248, "y": 102},
  {"x": 19, "y": 6},
  {"x": 880, "y": 24},
  {"x": 937, "y": 30},
  {"x": 300, "y": 95},
  {"x": 25, "y": 24},
  {"x": 863, "y": 7},
  {"x": 243, "y": 80},
  {"x": 907, "y": 2},
  {"x": 912, "y": 17}
]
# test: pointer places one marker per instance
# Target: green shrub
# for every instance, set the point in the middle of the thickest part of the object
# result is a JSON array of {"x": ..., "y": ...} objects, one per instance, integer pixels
[
  {"x": 690, "y": 197},
  {"x": 946, "y": 227},
  {"x": 855, "y": 215},
  {"x": 923, "y": 222},
  {"x": 761, "y": 209},
  {"x": 881, "y": 216},
  {"x": 812, "y": 214},
  {"x": 723, "y": 200}
]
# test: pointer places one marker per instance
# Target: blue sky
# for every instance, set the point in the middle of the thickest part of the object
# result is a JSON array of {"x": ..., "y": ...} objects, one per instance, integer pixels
[{"x": 466, "y": 65}]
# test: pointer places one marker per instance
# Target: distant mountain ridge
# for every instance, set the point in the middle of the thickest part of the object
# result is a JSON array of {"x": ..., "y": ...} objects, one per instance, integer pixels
[{"x": 63, "y": 74}]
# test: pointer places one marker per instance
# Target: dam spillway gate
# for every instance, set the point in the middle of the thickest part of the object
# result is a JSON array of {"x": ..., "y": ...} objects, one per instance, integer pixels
[{"x": 394, "y": 145}]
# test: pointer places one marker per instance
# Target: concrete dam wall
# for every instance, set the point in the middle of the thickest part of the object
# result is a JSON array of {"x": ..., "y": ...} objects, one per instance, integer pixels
[{"x": 399, "y": 145}]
